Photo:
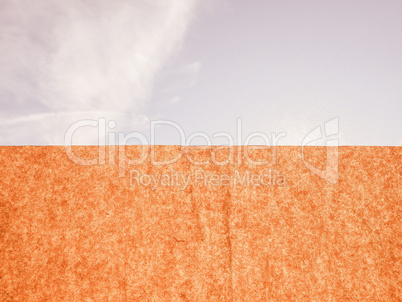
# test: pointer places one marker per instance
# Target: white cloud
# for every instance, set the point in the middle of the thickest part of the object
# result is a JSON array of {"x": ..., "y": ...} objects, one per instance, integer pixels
[
  {"x": 82, "y": 56},
  {"x": 193, "y": 69},
  {"x": 177, "y": 79},
  {"x": 175, "y": 100}
]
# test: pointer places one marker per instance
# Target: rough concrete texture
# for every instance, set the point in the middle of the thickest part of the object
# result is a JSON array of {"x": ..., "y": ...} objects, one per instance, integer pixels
[{"x": 70, "y": 232}]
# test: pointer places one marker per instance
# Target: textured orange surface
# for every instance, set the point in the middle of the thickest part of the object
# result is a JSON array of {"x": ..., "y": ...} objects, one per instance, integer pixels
[{"x": 82, "y": 233}]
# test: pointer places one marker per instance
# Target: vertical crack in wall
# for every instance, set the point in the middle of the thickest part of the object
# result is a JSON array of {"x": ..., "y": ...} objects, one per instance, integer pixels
[{"x": 227, "y": 215}]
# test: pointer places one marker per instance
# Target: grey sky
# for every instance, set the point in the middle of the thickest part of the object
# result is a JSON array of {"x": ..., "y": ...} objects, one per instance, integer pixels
[{"x": 281, "y": 66}]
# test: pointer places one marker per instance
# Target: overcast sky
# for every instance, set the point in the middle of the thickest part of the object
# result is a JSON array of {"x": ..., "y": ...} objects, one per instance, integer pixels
[{"x": 279, "y": 66}]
